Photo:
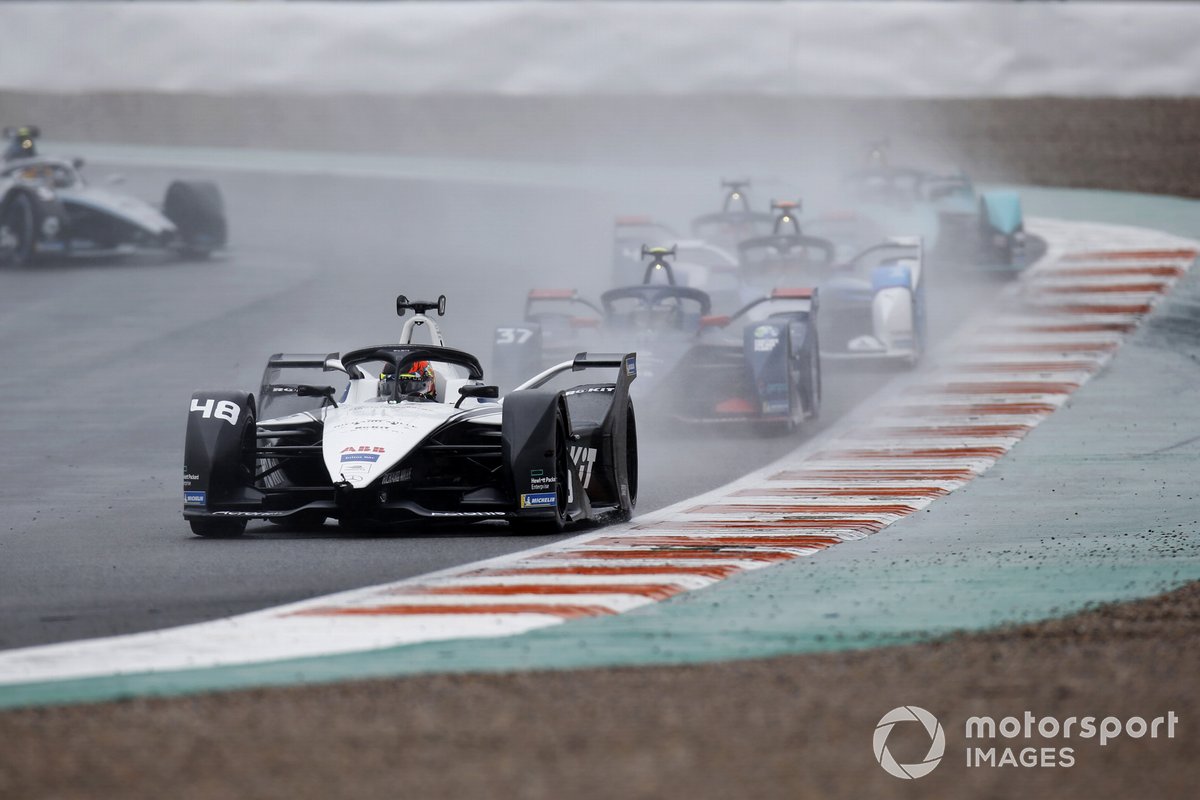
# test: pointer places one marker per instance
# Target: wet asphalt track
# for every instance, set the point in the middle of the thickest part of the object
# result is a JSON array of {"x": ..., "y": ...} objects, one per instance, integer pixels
[{"x": 99, "y": 361}]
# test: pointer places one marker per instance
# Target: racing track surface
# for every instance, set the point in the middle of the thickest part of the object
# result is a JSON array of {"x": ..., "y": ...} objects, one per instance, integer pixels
[{"x": 99, "y": 360}]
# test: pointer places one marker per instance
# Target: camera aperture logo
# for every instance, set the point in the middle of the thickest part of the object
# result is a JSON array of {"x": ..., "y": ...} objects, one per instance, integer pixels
[
  {"x": 937, "y": 742},
  {"x": 987, "y": 740}
]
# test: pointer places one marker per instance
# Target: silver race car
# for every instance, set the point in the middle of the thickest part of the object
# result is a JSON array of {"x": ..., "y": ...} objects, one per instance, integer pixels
[
  {"x": 48, "y": 211},
  {"x": 406, "y": 432}
]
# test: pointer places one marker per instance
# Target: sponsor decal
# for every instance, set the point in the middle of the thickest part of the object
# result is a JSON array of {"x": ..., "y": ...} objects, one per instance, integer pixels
[
  {"x": 585, "y": 459},
  {"x": 776, "y": 407},
  {"x": 765, "y": 332},
  {"x": 631, "y": 366},
  {"x": 466, "y": 513},
  {"x": 356, "y": 468},
  {"x": 195, "y": 498},
  {"x": 536, "y": 473},
  {"x": 591, "y": 390},
  {"x": 765, "y": 345},
  {"x": 539, "y": 500},
  {"x": 396, "y": 477},
  {"x": 190, "y": 476},
  {"x": 372, "y": 457},
  {"x": 251, "y": 514},
  {"x": 214, "y": 409}
]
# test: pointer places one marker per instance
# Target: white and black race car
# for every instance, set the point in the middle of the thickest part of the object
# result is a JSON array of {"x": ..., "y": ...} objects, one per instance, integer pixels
[
  {"x": 407, "y": 432},
  {"x": 48, "y": 211}
]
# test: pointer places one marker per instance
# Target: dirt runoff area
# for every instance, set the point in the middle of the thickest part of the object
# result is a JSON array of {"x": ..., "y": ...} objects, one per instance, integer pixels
[{"x": 788, "y": 727}]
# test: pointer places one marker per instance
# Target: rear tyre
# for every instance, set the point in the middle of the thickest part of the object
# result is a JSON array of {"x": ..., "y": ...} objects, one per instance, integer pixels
[
  {"x": 18, "y": 231},
  {"x": 211, "y": 528},
  {"x": 198, "y": 212}
]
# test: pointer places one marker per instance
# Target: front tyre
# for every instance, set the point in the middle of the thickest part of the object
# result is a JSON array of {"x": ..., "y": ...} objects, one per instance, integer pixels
[
  {"x": 557, "y": 521},
  {"x": 18, "y": 230}
]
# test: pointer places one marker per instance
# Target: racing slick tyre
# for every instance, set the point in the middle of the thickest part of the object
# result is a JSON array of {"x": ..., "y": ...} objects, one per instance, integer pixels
[
  {"x": 18, "y": 230},
  {"x": 198, "y": 212},
  {"x": 627, "y": 473},
  {"x": 799, "y": 409},
  {"x": 812, "y": 400},
  {"x": 221, "y": 442},
  {"x": 557, "y": 521}
]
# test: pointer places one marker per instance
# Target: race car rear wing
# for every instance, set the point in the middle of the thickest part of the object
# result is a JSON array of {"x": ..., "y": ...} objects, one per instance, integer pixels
[{"x": 627, "y": 363}]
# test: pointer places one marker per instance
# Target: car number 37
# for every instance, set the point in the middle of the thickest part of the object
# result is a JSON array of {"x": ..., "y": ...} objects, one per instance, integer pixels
[
  {"x": 513, "y": 335},
  {"x": 220, "y": 409}
]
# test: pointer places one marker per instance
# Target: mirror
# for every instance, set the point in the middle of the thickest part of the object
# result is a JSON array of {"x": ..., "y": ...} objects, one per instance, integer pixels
[{"x": 479, "y": 390}]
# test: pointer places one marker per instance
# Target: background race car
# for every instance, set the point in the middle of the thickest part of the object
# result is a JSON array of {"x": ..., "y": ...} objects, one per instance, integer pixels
[
  {"x": 963, "y": 227},
  {"x": 873, "y": 302},
  {"x": 735, "y": 221},
  {"x": 48, "y": 210},
  {"x": 693, "y": 366}
]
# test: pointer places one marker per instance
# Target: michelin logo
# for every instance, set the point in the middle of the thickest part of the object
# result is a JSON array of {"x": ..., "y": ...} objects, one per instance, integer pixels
[{"x": 540, "y": 500}]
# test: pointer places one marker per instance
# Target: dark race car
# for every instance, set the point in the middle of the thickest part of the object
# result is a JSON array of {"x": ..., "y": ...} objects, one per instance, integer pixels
[
  {"x": 405, "y": 432},
  {"x": 735, "y": 221},
  {"x": 48, "y": 210},
  {"x": 760, "y": 365}
]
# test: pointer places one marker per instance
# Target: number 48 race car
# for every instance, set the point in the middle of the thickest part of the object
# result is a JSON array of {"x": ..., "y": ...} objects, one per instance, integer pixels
[{"x": 410, "y": 432}]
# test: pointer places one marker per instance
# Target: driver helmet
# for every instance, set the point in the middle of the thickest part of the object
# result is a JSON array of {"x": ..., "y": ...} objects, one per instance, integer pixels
[{"x": 416, "y": 382}]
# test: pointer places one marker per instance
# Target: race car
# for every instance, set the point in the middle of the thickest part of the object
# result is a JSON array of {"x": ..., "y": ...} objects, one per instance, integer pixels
[
  {"x": 48, "y": 210},
  {"x": 409, "y": 432},
  {"x": 759, "y": 365},
  {"x": 735, "y": 221},
  {"x": 961, "y": 225},
  {"x": 873, "y": 301}
]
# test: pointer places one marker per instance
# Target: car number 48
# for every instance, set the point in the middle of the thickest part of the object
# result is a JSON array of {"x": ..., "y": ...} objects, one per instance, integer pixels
[{"x": 221, "y": 409}]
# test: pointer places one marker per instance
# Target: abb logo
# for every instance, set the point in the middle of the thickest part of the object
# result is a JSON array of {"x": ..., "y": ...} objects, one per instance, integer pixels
[
  {"x": 363, "y": 449},
  {"x": 219, "y": 409}
]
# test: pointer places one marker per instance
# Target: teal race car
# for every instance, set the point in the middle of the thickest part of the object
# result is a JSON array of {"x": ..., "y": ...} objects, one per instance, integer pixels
[{"x": 962, "y": 225}]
